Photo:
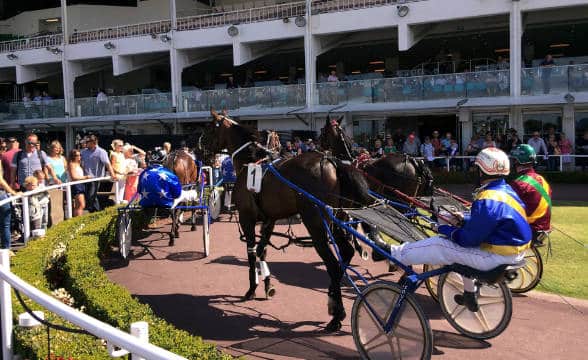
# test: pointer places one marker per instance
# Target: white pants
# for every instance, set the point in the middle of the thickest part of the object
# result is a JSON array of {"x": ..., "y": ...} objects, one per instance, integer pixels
[
  {"x": 120, "y": 184},
  {"x": 441, "y": 251}
]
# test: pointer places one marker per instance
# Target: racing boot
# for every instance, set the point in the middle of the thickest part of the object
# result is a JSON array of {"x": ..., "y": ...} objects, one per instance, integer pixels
[{"x": 467, "y": 299}]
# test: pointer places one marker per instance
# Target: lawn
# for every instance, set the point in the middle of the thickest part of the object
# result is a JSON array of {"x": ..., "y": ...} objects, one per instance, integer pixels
[{"x": 566, "y": 272}]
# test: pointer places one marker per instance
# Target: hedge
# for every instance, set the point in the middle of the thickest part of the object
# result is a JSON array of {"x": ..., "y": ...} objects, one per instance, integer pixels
[{"x": 69, "y": 257}]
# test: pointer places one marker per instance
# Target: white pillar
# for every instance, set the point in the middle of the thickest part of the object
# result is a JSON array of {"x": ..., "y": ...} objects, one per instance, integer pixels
[
  {"x": 516, "y": 120},
  {"x": 64, "y": 29},
  {"x": 516, "y": 34},
  {"x": 68, "y": 81},
  {"x": 467, "y": 128},
  {"x": 6, "y": 307},
  {"x": 309, "y": 58},
  {"x": 176, "y": 71},
  {"x": 569, "y": 123}
]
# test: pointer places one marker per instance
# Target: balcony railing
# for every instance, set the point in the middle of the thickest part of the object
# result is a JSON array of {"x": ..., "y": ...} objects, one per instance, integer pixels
[
  {"x": 31, "y": 43},
  {"x": 554, "y": 80},
  {"x": 41, "y": 109},
  {"x": 322, "y": 6},
  {"x": 273, "y": 12},
  {"x": 428, "y": 87},
  {"x": 124, "y": 105},
  {"x": 267, "y": 97},
  {"x": 125, "y": 31}
]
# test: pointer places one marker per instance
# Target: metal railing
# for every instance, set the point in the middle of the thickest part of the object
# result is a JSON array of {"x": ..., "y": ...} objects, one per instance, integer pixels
[
  {"x": 266, "y": 97},
  {"x": 124, "y": 105},
  {"x": 554, "y": 80},
  {"x": 24, "y": 198},
  {"x": 328, "y": 6},
  {"x": 36, "y": 42},
  {"x": 113, "y": 336},
  {"x": 265, "y": 13},
  {"x": 34, "y": 109},
  {"x": 427, "y": 87},
  {"x": 124, "y": 31}
]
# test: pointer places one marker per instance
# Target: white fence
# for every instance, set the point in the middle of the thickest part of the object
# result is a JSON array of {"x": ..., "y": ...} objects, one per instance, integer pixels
[
  {"x": 68, "y": 209},
  {"x": 101, "y": 330},
  {"x": 31, "y": 43}
]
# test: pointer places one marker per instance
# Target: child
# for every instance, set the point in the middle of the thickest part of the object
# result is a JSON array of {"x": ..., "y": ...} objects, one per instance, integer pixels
[
  {"x": 35, "y": 207},
  {"x": 43, "y": 197},
  {"x": 428, "y": 151}
]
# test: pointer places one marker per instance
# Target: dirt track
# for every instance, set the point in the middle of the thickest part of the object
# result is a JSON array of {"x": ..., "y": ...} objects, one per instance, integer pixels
[{"x": 202, "y": 296}]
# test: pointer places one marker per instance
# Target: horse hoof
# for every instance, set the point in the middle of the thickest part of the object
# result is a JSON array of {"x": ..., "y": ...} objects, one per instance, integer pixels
[
  {"x": 333, "y": 325},
  {"x": 365, "y": 255},
  {"x": 270, "y": 292},
  {"x": 249, "y": 295},
  {"x": 193, "y": 228}
]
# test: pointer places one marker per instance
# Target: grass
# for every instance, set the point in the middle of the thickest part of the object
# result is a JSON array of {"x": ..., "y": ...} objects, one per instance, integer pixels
[{"x": 566, "y": 272}]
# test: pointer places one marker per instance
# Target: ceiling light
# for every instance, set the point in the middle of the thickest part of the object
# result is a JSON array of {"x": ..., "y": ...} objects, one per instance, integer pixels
[
  {"x": 333, "y": 66},
  {"x": 402, "y": 10},
  {"x": 300, "y": 69},
  {"x": 501, "y": 50},
  {"x": 558, "y": 55},
  {"x": 226, "y": 74},
  {"x": 356, "y": 72},
  {"x": 376, "y": 62},
  {"x": 283, "y": 78},
  {"x": 261, "y": 72},
  {"x": 380, "y": 70},
  {"x": 52, "y": 20},
  {"x": 300, "y": 21},
  {"x": 562, "y": 45},
  {"x": 233, "y": 31}
]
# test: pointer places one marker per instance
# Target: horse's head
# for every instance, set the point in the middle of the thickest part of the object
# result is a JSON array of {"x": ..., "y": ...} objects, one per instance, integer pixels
[
  {"x": 333, "y": 138},
  {"x": 272, "y": 141},
  {"x": 218, "y": 133},
  {"x": 424, "y": 176}
]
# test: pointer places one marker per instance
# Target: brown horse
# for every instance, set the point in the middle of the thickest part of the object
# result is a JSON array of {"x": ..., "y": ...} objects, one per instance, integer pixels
[
  {"x": 182, "y": 164},
  {"x": 326, "y": 178}
]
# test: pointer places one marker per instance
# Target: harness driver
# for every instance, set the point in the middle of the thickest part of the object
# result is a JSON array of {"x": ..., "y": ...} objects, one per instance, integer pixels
[{"x": 495, "y": 233}]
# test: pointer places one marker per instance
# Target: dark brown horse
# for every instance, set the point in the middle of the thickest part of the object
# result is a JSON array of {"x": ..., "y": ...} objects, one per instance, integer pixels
[
  {"x": 184, "y": 166},
  {"x": 326, "y": 178}
]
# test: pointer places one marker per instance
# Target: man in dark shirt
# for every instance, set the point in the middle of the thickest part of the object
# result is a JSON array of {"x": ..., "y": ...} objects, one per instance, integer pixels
[{"x": 546, "y": 66}]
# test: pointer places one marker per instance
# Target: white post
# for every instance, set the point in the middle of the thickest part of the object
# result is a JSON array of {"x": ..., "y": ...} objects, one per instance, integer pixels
[
  {"x": 6, "y": 308},
  {"x": 140, "y": 330},
  {"x": 26, "y": 221},
  {"x": 116, "y": 192},
  {"x": 309, "y": 58},
  {"x": 68, "y": 202},
  {"x": 516, "y": 34},
  {"x": 560, "y": 162}
]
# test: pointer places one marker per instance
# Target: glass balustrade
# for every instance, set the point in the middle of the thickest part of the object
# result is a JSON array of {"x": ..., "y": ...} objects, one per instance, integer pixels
[
  {"x": 555, "y": 80},
  {"x": 40, "y": 109},
  {"x": 124, "y": 105}
]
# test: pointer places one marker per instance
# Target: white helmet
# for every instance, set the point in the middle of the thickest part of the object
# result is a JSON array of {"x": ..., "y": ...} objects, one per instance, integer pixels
[{"x": 493, "y": 161}]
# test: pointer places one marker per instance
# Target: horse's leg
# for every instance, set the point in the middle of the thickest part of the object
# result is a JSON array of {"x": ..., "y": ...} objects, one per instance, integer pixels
[
  {"x": 314, "y": 224},
  {"x": 173, "y": 231},
  {"x": 266, "y": 232},
  {"x": 248, "y": 226}
]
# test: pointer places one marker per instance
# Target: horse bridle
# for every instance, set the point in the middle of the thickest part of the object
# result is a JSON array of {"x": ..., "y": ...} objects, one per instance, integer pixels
[{"x": 335, "y": 125}]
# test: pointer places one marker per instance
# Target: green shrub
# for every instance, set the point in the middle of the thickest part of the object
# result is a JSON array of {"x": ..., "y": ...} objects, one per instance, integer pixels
[{"x": 86, "y": 239}]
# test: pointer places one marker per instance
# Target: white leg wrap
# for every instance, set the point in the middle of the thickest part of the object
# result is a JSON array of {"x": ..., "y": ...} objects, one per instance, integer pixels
[{"x": 264, "y": 269}]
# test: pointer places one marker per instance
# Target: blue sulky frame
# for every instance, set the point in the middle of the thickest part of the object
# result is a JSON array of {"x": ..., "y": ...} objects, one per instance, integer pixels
[{"x": 124, "y": 220}]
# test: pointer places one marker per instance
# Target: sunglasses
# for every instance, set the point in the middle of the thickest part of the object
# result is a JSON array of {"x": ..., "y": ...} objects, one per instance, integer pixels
[{"x": 32, "y": 143}]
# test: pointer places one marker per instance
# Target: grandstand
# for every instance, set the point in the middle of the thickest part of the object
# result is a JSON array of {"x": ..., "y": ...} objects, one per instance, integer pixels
[{"x": 417, "y": 65}]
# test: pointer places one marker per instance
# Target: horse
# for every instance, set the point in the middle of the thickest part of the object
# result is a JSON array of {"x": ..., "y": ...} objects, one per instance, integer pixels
[
  {"x": 184, "y": 166},
  {"x": 326, "y": 178}
]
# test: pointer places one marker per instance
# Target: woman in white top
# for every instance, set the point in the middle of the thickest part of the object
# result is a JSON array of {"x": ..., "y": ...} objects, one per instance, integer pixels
[
  {"x": 117, "y": 160},
  {"x": 76, "y": 173}
]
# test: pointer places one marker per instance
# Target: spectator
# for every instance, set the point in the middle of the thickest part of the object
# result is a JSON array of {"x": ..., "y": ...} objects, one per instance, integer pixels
[
  {"x": 538, "y": 144},
  {"x": 553, "y": 150},
  {"x": 5, "y": 211},
  {"x": 453, "y": 151},
  {"x": 101, "y": 101},
  {"x": 30, "y": 183},
  {"x": 57, "y": 162},
  {"x": 411, "y": 147},
  {"x": 37, "y": 98},
  {"x": 428, "y": 151},
  {"x": 378, "y": 150},
  {"x": 363, "y": 157},
  {"x": 46, "y": 98},
  {"x": 25, "y": 162},
  {"x": 436, "y": 142},
  {"x": 43, "y": 198},
  {"x": 472, "y": 149},
  {"x": 333, "y": 77},
  {"x": 3, "y": 147},
  {"x": 550, "y": 132},
  {"x": 8, "y": 156},
  {"x": 488, "y": 141},
  {"x": 399, "y": 137},
  {"x": 446, "y": 144},
  {"x": 389, "y": 148},
  {"x": 167, "y": 148},
  {"x": 117, "y": 161},
  {"x": 512, "y": 141},
  {"x": 231, "y": 83},
  {"x": 310, "y": 145},
  {"x": 289, "y": 149},
  {"x": 94, "y": 162},
  {"x": 546, "y": 66},
  {"x": 76, "y": 173},
  {"x": 501, "y": 63},
  {"x": 566, "y": 150},
  {"x": 132, "y": 170},
  {"x": 582, "y": 149}
]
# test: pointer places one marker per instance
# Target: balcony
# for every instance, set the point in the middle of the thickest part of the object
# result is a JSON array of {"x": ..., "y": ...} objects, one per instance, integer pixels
[
  {"x": 416, "y": 88},
  {"x": 554, "y": 80},
  {"x": 37, "y": 42},
  {"x": 124, "y": 105},
  {"x": 255, "y": 98},
  {"x": 328, "y": 6},
  {"x": 40, "y": 109}
]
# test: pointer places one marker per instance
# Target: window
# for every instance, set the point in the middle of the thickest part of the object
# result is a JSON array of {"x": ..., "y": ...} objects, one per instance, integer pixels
[{"x": 541, "y": 122}]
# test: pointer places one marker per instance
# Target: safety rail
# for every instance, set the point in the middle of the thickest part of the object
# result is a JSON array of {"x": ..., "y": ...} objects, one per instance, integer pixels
[
  {"x": 554, "y": 80},
  {"x": 328, "y": 6},
  {"x": 99, "y": 329},
  {"x": 34, "y": 109},
  {"x": 68, "y": 196},
  {"x": 36, "y": 42},
  {"x": 265, "y": 13},
  {"x": 124, "y": 31},
  {"x": 124, "y": 105}
]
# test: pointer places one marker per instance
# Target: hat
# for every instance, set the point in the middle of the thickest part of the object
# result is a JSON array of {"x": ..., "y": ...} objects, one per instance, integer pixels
[
  {"x": 436, "y": 132},
  {"x": 11, "y": 139},
  {"x": 411, "y": 136}
]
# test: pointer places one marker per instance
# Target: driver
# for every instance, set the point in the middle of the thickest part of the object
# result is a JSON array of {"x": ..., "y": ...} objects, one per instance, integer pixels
[
  {"x": 495, "y": 233},
  {"x": 534, "y": 190}
]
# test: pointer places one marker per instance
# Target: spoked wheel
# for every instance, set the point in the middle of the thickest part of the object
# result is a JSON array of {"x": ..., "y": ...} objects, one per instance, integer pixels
[
  {"x": 489, "y": 321},
  {"x": 528, "y": 276},
  {"x": 205, "y": 232},
  {"x": 411, "y": 336},
  {"x": 124, "y": 230},
  {"x": 214, "y": 203},
  {"x": 432, "y": 282}
]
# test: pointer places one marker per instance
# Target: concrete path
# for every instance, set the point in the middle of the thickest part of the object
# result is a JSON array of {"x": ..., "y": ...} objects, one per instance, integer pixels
[{"x": 202, "y": 296}]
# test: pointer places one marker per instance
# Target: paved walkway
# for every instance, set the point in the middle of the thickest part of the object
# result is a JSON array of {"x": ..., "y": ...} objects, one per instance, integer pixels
[{"x": 202, "y": 296}]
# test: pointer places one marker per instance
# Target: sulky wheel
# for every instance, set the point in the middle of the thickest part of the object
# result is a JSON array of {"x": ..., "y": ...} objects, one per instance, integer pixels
[
  {"x": 124, "y": 230},
  {"x": 489, "y": 321},
  {"x": 206, "y": 232},
  {"x": 411, "y": 336},
  {"x": 214, "y": 203},
  {"x": 528, "y": 276},
  {"x": 432, "y": 281}
]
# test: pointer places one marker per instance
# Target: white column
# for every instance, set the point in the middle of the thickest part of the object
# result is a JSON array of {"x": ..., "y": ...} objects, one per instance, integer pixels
[
  {"x": 68, "y": 82},
  {"x": 176, "y": 71},
  {"x": 64, "y": 24},
  {"x": 569, "y": 123},
  {"x": 467, "y": 129},
  {"x": 516, "y": 120},
  {"x": 309, "y": 58},
  {"x": 516, "y": 34}
]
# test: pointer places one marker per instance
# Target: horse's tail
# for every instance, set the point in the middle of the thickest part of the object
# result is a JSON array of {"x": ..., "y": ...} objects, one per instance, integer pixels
[{"x": 353, "y": 184}]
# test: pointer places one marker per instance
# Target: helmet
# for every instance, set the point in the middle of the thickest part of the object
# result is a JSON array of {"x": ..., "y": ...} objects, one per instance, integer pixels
[
  {"x": 524, "y": 154},
  {"x": 493, "y": 161}
]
